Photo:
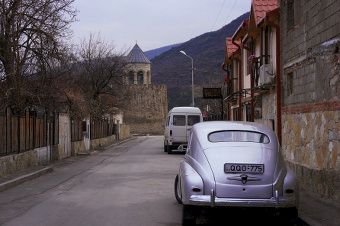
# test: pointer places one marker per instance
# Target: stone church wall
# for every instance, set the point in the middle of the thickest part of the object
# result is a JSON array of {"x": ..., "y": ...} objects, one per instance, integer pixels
[{"x": 147, "y": 110}]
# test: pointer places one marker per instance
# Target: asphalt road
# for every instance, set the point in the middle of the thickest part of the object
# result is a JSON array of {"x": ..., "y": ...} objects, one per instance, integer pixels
[{"x": 128, "y": 184}]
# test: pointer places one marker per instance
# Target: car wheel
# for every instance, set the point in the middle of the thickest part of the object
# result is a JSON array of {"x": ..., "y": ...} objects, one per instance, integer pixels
[
  {"x": 165, "y": 148},
  {"x": 291, "y": 213},
  {"x": 177, "y": 190},
  {"x": 188, "y": 215}
]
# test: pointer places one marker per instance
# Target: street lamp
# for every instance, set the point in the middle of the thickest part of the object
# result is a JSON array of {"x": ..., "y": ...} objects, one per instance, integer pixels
[{"x": 192, "y": 76}]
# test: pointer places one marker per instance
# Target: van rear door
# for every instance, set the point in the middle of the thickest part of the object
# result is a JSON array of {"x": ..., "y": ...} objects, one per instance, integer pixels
[
  {"x": 179, "y": 128},
  {"x": 192, "y": 119}
]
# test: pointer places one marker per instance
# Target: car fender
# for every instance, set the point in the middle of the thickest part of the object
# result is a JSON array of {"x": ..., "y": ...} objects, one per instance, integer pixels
[{"x": 189, "y": 179}]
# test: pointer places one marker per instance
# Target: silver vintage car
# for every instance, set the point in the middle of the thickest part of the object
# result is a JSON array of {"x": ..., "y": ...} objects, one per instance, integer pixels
[{"x": 234, "y": 164}]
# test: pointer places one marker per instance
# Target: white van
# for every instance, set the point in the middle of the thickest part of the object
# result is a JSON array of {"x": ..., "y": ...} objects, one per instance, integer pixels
[{"x": 178, "y": 126}]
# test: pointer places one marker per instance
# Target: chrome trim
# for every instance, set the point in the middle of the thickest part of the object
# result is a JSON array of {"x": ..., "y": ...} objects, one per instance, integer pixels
[
  {"x": 244, "y": 178},
  {"x": 277, "y": 197},
  {"x": 212, "y": 197},
  {"x": 209, "y": 200}
]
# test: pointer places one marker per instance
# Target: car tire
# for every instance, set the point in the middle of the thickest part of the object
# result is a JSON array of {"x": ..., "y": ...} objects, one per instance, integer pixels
[
  {"x": 177, "y": 190},
  {"x": 188, "y": 215},
  {"x": 165, "y": 148},
  {"x": 290, "y": 212}
]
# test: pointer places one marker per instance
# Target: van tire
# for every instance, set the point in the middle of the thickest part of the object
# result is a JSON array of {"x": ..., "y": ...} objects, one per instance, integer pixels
[
  {"x": 165, "y": 148},
  {"x": 169, "y": 149}
]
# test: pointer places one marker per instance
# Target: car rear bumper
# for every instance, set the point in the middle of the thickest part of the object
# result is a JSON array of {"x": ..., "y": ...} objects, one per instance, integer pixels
[{"x": 208, "y": 200}]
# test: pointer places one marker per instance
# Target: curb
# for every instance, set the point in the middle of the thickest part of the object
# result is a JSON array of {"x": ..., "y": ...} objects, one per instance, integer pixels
[
  {"x": 309, "y": 220},
  {"x": 19, "y": 180}
]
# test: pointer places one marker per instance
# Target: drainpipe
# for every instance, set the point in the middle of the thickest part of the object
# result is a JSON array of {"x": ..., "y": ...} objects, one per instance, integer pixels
[
  {"x": 239, "y": 81},
  {"x": 278, "y": 85}
]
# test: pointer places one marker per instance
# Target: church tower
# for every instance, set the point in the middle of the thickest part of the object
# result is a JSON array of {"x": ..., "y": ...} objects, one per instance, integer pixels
[{"x": 139, "y": 67}]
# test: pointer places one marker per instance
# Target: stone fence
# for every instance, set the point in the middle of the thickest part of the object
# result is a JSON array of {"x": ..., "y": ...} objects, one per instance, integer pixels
[{"x": 64, "y": 148}]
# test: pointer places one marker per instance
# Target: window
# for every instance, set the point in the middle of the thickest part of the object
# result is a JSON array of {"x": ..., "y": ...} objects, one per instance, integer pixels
[
  {"x": 140, "y": 78},
  {"x": 179, "y": 120},
  {"x": 290, "y": 14},
  {"x": 167, "y": 121},
  {"x": 290, "y": 78},
  {"x": 131, "y": 78},
  {"x": 238, "y": 136},
  {"x": 193, "y": 119}
]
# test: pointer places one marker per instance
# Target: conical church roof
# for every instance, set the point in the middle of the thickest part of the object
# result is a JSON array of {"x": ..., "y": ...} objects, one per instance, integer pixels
[{"x": 136, "y": 55}]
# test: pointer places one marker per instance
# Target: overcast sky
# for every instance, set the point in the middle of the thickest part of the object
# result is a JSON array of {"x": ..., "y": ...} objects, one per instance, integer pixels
[{"x": 153, "y": 23}]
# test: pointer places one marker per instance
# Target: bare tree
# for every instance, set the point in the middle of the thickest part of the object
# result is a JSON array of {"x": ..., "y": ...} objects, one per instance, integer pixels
[
  {"x": 31, "y": 47},
  {"x": 99, "y": 77}
]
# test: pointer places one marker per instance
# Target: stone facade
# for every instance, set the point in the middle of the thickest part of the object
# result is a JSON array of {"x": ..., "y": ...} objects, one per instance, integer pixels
[
  {"x": 268, "y": 110},
  {"x": 18, "y": 162},
  {"x": 147, "y": 110},
  {"x": 138, "y": 74},
  {"x": 311, "y": 93}
]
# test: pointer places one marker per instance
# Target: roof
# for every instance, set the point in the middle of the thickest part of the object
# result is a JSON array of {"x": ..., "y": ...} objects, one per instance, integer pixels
[
  {"x": 261, "y": 7},
  {"x": 231, "y": 47},
  {"x": 241, "y": 30},
  {"x": 185, "y": 110},
  {"x": 136, "y": 55}
]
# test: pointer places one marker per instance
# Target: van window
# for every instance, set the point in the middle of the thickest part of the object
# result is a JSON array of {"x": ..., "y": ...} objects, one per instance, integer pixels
[
  {"x": 193, "y": 119},
  {"x": 179, "y": 120},
  {"x": 167, "y": 121}
]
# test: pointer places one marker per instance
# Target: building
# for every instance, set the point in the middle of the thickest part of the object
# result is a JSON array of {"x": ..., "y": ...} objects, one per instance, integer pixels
[
  {"x": 251, "y": 64},
  {"x": 147, "y": 104},
  {"x": 139, "y": 67},
  {"x": 310, "y": 68},
  {"x": 282, "y": 70}
]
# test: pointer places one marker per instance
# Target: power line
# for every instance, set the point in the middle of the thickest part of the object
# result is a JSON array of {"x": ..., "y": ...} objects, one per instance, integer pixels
[
  {"x": 232, "y": 8},
  {"x": 218, "y": 15}
]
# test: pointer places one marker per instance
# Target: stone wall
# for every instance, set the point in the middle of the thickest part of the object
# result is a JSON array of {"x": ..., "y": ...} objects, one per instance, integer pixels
[
  {"x": 268, "y": 110},
  {"x": 18, "y": 162},
  {"x": 124, "y": 132},
  {"x": 147, "y": 110},
  {"x": 102, "y": 142},
  {"x": 311, "y": 143},
  {"x": 311, "y": 87}
]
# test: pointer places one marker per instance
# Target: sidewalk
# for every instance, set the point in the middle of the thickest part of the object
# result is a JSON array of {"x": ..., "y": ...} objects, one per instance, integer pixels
[
  {"x": 34, "y": 172},
  {"x": 318, "y": 212}
]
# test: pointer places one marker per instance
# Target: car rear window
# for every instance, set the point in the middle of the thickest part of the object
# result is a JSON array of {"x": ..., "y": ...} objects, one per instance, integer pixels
[
  {"x": 193, "y": 119},
  {"x": 179, "y": 120},
  {"x": 238, "y": 136}
]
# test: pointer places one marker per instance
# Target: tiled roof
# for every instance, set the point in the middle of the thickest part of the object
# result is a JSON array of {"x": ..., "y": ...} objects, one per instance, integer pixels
[
  {"x": 241, "y": 30},
  {"x": 231, "y": 47},
  {"x": 261, "y": 7},
  {"x": 136, "y": 55}
]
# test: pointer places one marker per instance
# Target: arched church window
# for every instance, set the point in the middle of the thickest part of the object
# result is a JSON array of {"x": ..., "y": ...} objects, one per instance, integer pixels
[
  {"x": 148, "y": 81},
  {"x": 140, "y": 78},
  {"x": 131, "y": 77}
]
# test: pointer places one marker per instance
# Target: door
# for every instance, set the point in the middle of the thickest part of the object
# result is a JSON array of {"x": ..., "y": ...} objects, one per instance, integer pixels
[{"x": 178, "y": 128}]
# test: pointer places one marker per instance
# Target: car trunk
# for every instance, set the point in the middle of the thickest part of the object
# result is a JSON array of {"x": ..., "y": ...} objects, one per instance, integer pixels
[{"x": 234, "y": 185}]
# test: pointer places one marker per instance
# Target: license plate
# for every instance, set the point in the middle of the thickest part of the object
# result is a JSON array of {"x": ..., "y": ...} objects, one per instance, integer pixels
[{"x": 244, "y": 168}]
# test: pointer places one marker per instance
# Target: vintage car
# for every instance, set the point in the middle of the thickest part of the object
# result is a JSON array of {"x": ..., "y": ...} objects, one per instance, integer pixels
[{"x": 234, "y": 164}]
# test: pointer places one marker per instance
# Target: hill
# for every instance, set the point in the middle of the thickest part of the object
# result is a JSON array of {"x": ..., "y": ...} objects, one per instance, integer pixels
[
  {"x": 174, "y": 69},
  {"x": 156, "y": 52}
]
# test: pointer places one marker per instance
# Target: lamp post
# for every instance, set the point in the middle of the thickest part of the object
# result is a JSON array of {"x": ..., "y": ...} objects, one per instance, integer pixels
[{"x": 192, "y": 76}]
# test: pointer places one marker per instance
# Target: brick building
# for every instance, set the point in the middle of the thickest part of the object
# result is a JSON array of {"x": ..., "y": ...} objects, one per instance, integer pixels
[
  {"x": 310, "y": 38},
  {"x": 282, "y": 68}
]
